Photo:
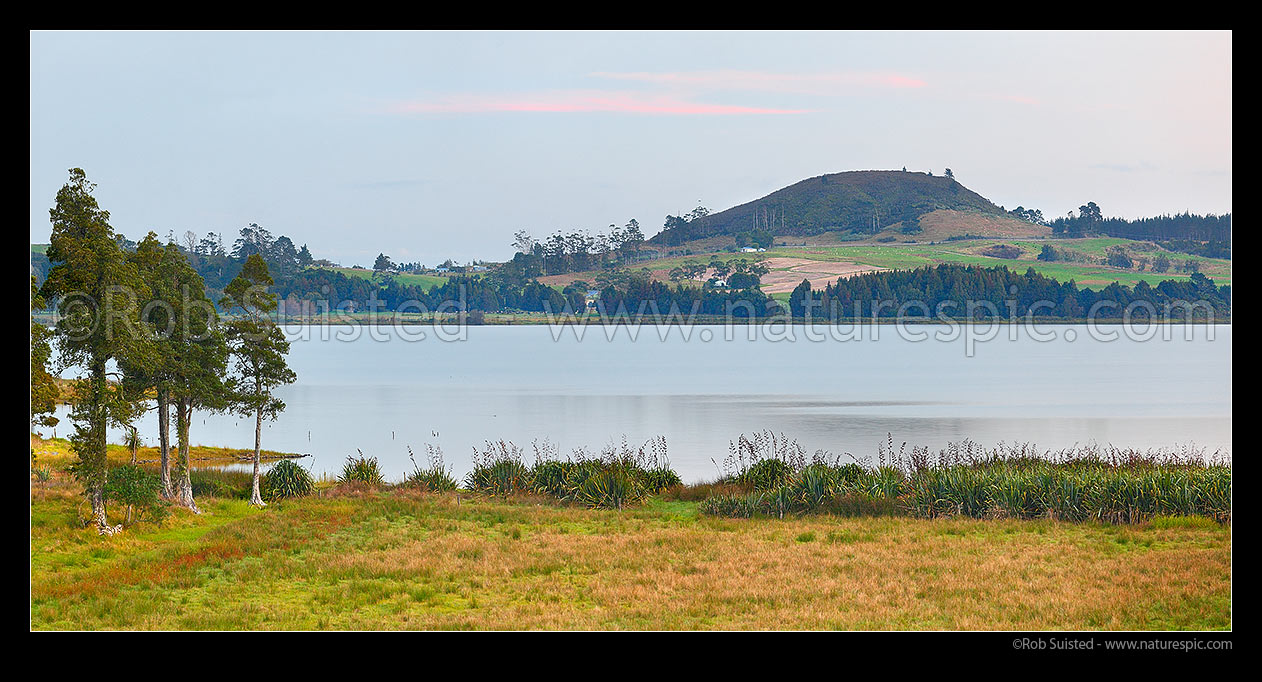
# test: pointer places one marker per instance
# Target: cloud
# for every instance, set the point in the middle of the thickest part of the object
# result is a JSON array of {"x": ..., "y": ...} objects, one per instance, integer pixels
[
  {"x": 579, "y": 101},
  {"x": 1124, "y": 168},
  {"x": 835, "y": 83},
  {"x": 667, "y": 94},
  {"x": 1018, "y": 99}
]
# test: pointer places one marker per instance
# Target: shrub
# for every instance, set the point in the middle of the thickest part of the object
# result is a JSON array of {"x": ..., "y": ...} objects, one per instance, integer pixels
[
  {"x": 134, "y": 487},
  {"x": 765, "y": 474},
  {"x": 861, "y": 504},
  {"x": 436, "y": 478},
  {"x": 658, "y": 479},
  {"x": 736, "y": 505},
  {"x": 763, "y": 460},
  {"x": 814, "y": 485},
  {"x": 361, "y": 469},
  {"x": 553, "y": 478},
  {"x": 1116, "y": 256},
  {"x": 849, "y": 474},
  {"x": 613, "y": 488},
  {"x": 618, "y": 476},
  {"x": 1005, "y": 251},
  {"x": 699, "y": 491},
  {"x": 221, "y": 483},
  {"x": 1078, "y": 484},
  {"x": 498, "y": 470},
  {"x": 286, "y": 479},
  {"x": 887, "y": 482}
]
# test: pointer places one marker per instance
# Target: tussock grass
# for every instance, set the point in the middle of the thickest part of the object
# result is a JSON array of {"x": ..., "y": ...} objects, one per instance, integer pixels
[
  {"x": 225, "y": 483},
  {"x": 772, "y": 476},
  {"x": 616, "y": 477},
  {"x": 362, "y": 470},
  {"x": 285, "y": 479},
  {"x": 435, "y": 478}
]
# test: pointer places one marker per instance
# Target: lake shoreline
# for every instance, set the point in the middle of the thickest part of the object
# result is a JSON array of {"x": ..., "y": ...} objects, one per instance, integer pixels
[{"x": 56, "y": 452}]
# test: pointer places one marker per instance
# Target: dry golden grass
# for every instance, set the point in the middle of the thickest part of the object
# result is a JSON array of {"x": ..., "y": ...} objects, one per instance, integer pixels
[
  {"x": 944, "y": 223},
  {"x": 56, "y": 452},
  {"x": 414, "y": 561}
]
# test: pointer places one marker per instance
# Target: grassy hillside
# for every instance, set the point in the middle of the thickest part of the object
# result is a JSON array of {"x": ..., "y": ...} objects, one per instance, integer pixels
[
  {"x": 1092, "y": 275},
  {"x": 943, "y": 224},
  {"x": 865, "y": 201},
  {"x": 426, "y": 281},
  {"x": 823, "y": 262}
]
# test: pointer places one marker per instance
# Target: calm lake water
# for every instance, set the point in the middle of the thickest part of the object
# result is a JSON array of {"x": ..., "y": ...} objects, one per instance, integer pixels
[{"x": 382, "y": 394}]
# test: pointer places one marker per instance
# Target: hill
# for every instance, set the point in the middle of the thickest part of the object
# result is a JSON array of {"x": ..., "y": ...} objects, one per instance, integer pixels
[{"x": 861, "y": 202}]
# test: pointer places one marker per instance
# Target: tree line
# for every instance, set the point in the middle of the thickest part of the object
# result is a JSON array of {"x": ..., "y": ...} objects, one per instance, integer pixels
[
  {"x": 978, "y": 293},
  {"x": 576, "y": 251},
  {"x": 1204, "y": 235}
]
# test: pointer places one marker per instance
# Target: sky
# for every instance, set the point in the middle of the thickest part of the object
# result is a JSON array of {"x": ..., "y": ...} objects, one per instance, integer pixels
[{"x": 436, "y": 145}]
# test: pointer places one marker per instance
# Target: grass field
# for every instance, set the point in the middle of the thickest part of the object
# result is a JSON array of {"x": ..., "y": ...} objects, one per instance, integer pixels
[
  {"x": 409, "y": 279},
  {"x": 400, "y": 560},
  {"x": 788, "y": 261},
  {"x": 968, "y": 252}
]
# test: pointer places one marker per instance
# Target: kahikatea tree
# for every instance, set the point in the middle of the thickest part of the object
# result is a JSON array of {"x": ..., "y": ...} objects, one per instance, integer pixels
[
  {"x": 159, "y": 267},
  {"x": 258, "y": 348},
  {"x": 97, "y": 292},
  {"x": 197, "y": 359}
]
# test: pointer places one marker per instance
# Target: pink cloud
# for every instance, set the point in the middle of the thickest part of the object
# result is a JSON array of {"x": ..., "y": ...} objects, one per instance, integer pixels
[
  {"x": 798, "y": 83},
  {"x": 579, "y": 101}
]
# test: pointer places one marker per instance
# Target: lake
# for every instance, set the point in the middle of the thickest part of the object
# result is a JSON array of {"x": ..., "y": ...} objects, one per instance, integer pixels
[{"x": 380, "y": 390}]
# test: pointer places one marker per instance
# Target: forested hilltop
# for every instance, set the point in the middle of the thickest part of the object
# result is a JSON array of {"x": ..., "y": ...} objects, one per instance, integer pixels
[{"x": 854, "y": 201}]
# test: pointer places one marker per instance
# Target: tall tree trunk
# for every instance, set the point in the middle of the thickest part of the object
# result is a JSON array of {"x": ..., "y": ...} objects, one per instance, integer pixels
[
  {"x": 96, "y": 494},
  {"x": 256, "y": 498},
  {"x": 93, "y": 455},
  {"x": 164, "y": 442},
  {"x": 135, "y": 445},
  {"x": 184, "y": 495}
]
